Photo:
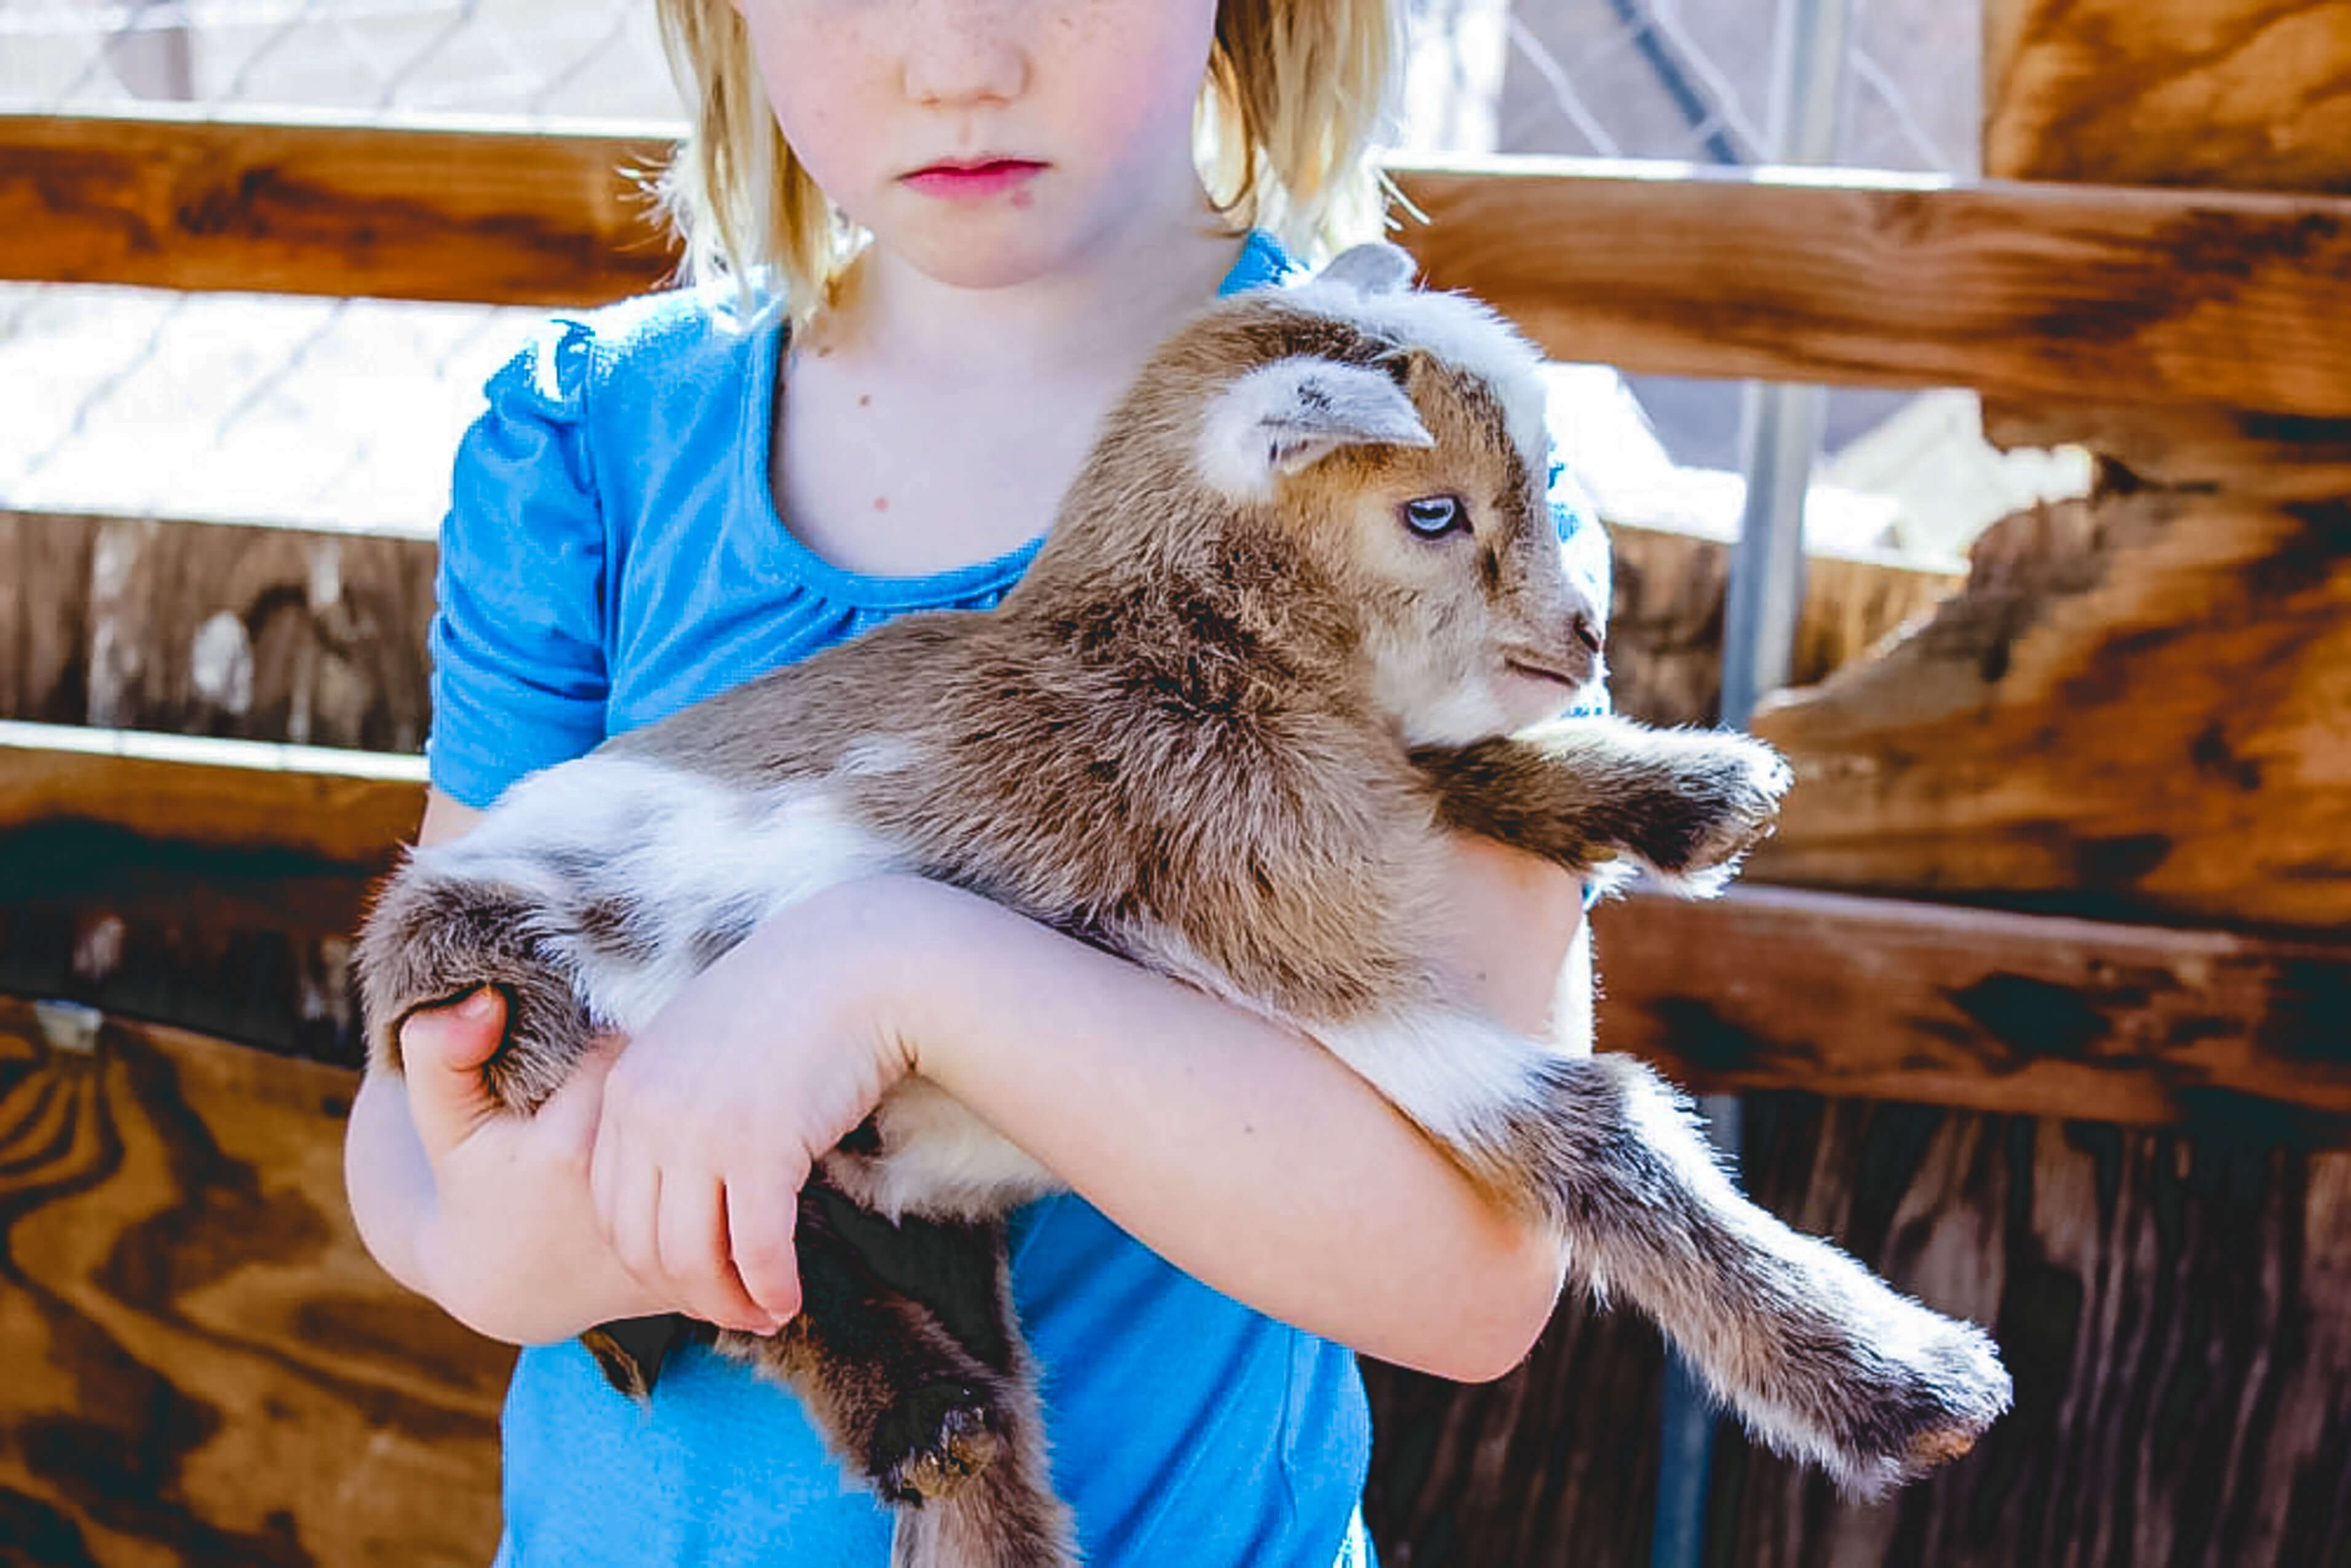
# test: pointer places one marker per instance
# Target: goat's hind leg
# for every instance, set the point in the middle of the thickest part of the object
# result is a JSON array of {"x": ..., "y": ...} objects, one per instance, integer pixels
[
  {"x": 906, "y": 1352},
  {"x": 1584, "y": 791},
  {"x": 1826, "y": 1361}
]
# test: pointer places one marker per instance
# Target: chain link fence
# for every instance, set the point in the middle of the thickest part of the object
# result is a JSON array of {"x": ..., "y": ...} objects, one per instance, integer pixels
[{"x": 344, "y": 413}]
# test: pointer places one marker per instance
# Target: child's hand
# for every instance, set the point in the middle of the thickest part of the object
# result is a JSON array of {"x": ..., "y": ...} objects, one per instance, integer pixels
[
  {"x": 720, "y": 1108},
  {"x": 509, "y": 1243}
]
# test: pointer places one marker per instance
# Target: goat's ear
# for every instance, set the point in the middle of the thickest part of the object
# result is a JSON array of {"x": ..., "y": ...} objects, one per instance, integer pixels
[
  {"x": 1287, "y": 416},
  {"x": 1377, "y": 267}
]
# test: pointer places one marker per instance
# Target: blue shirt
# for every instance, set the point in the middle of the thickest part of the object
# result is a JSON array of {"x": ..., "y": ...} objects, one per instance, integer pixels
[{"x": 612, "y": 554}]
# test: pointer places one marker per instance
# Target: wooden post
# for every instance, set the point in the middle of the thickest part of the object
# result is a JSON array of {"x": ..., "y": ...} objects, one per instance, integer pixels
[{"x": 2141, "y": 705}]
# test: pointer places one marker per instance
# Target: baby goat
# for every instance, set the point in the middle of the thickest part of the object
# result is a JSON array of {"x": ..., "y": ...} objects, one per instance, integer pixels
[{"x": 1302, "y": 612}]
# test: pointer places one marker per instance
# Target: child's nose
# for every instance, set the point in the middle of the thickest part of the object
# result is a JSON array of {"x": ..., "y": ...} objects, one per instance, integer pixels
[{"x": 966, "y": 51}]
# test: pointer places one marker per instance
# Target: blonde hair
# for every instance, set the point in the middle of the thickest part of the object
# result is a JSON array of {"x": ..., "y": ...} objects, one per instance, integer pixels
[{"x": 1296, "y": 92}]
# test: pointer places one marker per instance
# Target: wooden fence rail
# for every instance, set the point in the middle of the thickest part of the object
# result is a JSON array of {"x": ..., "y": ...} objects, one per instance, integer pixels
[
  {"x": 2196, "y": 298},
  {"x": 1769, "y": 987}
]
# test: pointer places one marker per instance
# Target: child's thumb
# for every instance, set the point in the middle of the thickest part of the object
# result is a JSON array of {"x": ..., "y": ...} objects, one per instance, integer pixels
[{"x": 442, "y": 1050}]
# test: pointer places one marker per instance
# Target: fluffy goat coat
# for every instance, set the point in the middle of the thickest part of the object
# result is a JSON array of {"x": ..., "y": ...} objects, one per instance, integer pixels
[{"x": 1302, "y": 614}]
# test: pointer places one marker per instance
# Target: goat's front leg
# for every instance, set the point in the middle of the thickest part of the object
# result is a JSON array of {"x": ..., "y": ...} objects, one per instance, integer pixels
[
  {"x": 431, "y": 938},
  {"x": 1825, "y": 1360},
  {"x": 1584, "y": 791}
]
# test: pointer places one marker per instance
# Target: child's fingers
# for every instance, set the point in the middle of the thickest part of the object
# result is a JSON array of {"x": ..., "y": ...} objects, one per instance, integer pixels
[
  {"x": 628, "y": 1201},
  {"x": 442, "y": 1050},
  {"x": 569, "y": 1118},
  {"x": 761, "y": 1216},
  {"x": 692, "y": 1237}
]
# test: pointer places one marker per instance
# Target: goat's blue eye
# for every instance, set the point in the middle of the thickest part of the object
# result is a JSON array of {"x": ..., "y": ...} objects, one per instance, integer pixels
[{"x": 1434, "y": 515}]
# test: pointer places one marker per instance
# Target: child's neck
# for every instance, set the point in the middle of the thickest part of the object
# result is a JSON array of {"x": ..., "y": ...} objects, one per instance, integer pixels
[{"x": 923, "y": 426}]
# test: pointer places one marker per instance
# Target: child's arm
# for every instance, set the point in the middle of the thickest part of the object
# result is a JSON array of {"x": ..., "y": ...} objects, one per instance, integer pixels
[{"x": 1251, "y": 1158}]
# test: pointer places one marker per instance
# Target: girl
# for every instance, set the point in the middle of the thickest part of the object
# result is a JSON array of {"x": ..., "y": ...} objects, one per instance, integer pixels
[{"x": 979, "y": 216}]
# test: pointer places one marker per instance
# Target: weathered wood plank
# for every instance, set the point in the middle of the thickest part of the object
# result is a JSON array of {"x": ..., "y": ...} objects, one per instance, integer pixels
[
  {"x": 210, "y": 884},
  {"x": 283, "y": 207},
  {"x": 2016, "y": 289},
  {"x": 1538, "y": 1468},
  {"x": 316, "y": 637},
  {"x": 2242, "y": 94},
  {"x": 2186, "y": 299},
  {"x": 2176, "y": 1311},
  {"x": 1774, "y": 988},
  {"x": 2239, "y": 94},
  {"x": 2277, "y": 460},
  {"x": 1665, "y": 627},
  {"x": 156, "y": 885},
  {"x": 2140, "y": 704},
  {"x": 340, "y": 808},
  {"x": 204, "y": 1367},
  {"x": 2173, "y": 1308}
]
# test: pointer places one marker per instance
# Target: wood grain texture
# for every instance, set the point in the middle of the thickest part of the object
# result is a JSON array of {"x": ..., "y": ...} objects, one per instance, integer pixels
[
  {"x": 2279, "y": 460},
  {"x": 266, "y": 634},
  {"x": 184, "y": 201},
  {"x": 1770, "y": 987},
  {"x": 252, "y": 801},
  {"x": 2019, "y": 290},
  {"x": 1665, "y": 627},
  {"x": 2243, "y": 94},
  {"x": 2172, "y": 1307},
  {"x": 212, "y": 883},
  {"x": 1548, "y": 1464},
  {"x": 2236, "y": 94},
  {"x": 2140, "y": 703},
  {"x": 204, "y": 1367},
  {"x": 2176, "y": 1310},
  {"x": 251, "y": 944},
  {"x": 2182, "y": 299}
]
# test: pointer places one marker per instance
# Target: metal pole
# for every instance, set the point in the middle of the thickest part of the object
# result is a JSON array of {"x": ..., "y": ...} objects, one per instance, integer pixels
[
  {"x": 1779, "y": 433},
  {"x": 152, "y": 52}
]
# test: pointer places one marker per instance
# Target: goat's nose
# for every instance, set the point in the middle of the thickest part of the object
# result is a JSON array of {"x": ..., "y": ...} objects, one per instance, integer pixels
[{"x": 1586, "y": 629}]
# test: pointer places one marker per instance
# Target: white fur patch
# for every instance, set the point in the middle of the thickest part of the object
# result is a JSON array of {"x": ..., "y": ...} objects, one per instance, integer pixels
[
  {"x": 683, "y": 851},
  {"x": 1458, "y": 331},
  {"x": 945, "y": 1161},
  {"x": 1453, "y": 1072},
  {"x": 1285, "y": 416},
  {"x": 872, "y": 755},
  {"x": 1433, "y": 706}
]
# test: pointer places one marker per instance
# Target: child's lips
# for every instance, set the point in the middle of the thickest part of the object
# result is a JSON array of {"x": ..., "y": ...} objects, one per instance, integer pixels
[{"x": 974, "y": 178}]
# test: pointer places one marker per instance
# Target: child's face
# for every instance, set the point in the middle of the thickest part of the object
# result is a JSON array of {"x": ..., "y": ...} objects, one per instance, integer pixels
[{"x": 988, "y": 141}]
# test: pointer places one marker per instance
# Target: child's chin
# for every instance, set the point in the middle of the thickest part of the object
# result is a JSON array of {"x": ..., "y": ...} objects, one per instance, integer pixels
[{"x": 986, "y": 252}]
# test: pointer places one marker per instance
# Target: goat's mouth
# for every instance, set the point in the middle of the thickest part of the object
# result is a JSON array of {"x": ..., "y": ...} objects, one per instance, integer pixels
[{"x": 1537, "y": 669}]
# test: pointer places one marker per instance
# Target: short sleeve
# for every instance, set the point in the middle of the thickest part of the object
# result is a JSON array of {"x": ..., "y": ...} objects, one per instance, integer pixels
[
  {"x": 1584, "y": 549},
  {"x": 518, "y": 671}
]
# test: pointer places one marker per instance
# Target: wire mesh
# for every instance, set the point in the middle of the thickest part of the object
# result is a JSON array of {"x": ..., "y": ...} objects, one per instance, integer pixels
[{"x": 345, "y": 413}]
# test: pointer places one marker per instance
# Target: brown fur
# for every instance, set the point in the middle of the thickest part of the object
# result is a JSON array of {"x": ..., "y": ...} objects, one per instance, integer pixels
[{"x": 1188, "y": 735}]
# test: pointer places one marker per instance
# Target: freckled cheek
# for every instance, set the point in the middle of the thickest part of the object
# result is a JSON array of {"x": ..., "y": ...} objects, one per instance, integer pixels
[
  {"x": 826, "y": 134},
  {"x": 817, "y": 107},
  {"x": 1142, "y": 73}
]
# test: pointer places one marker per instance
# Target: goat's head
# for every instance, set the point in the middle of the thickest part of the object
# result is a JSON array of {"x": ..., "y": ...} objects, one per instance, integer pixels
[{"x": 1397, "y": 440}]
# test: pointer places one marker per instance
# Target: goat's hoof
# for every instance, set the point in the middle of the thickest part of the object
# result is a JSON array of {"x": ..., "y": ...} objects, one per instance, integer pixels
[
  {"x": 1887, "y": 1403},
  {"x": 1722, "y": 803},
  {"x": 935, "y": 1440}
]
